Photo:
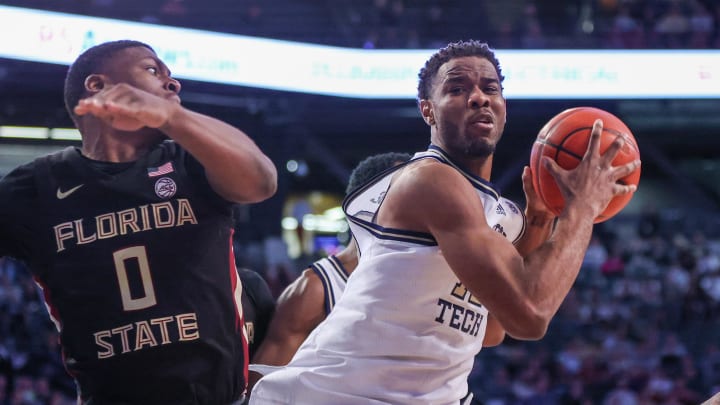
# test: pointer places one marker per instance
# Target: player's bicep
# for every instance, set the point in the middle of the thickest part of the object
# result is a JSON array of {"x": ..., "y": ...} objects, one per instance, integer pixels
[
  {"x": 299, "y": 309},
  {"x": 486, "y": 263},
  {"x": 444, "y": 203},
  {"x": 471, "y": 247},
  {"x": 280, "y": 343},
  {"x": 301, "y": 306}
]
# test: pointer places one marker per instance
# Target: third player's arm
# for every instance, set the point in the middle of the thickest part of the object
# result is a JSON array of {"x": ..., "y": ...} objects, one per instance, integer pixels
[{"x": 300, "y": 308}]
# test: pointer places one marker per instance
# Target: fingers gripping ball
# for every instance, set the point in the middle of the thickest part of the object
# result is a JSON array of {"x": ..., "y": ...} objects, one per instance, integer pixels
[{"x": 565, "y": 139}]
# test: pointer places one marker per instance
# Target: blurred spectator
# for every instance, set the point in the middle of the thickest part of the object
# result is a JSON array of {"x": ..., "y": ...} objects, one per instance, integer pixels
[
  {"x": 505, "y": 36},
  {"x": 614, "y": 266},
  {"x": 532, "y": 35},
  {"x": 621, "y": 394},
  {"x": 624, "y": 24},
  {"x": 595, "y": 256},
  {"x": 170, "y": 12},
  {"x": 575, "y": 394},
  {"x": 709, "y": 365},
  {"x": 625, "y": 31},
  {"x": 716, "y": 13},
  {"x": 649, "y": 222},
  {"x": 677, "y": 282},
  {"x": 499, "y": 389},
  {"x": 649, "y": 14},
  {"x": 702, "y": 25},
  {"x": 696, "y": 305},
  {"x": 672, "y": 26}
]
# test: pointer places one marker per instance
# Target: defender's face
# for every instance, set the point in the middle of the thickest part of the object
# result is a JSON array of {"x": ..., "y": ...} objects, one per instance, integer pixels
[
  {"x": 141, "y": 68},
  {"x": 467, "y": 109}
]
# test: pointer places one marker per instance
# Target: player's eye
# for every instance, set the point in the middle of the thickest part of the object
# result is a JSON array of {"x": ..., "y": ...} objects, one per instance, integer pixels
[{"x": 153, "y": 70}]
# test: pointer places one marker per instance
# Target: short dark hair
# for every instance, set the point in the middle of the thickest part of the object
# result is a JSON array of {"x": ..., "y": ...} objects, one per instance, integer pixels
[
  {"x": 89, "y": 62},
  {"x": 451, "y": 51},
  {"x": 372, "y": 166}
]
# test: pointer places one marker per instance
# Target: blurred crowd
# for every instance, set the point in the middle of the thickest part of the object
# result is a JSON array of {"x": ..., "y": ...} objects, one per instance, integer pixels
[
  {"x": 639, "y": 327},
  {"x": 31, "y": 369},
  {"x": 523, "y": 24}
]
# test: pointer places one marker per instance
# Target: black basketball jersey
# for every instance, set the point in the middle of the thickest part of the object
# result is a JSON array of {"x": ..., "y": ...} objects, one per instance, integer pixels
[
  {"x": 258, "y": 307},
  {"x": 138, "y": 273}
]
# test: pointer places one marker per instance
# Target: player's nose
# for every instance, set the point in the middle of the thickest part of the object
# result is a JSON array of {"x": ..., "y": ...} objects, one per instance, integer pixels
[
  {"x": 477, "y": 98},
  {"x": 173, "y": 85}
]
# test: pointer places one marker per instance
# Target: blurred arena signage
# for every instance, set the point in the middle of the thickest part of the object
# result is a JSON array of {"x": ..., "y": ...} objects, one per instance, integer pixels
[{"x": 57, "y": 38}]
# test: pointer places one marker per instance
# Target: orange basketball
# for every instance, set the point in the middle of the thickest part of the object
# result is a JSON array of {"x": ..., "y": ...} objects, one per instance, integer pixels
[{"x": 565, "y": 139}]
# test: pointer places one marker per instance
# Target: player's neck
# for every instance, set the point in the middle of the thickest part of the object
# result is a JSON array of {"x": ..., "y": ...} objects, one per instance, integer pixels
[
  {"x": 479, "y": 167},
  {"x": 111, "y": 146},
  {"x": 348, "y": 257},
  {"x": 486, "y": 170}
]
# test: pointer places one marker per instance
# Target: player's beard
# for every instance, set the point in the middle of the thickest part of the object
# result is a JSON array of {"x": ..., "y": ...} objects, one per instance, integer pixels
[
  {"x": 473, "y": 147},
  {"x": 479, "y": 148},
  {"x": 468, "y": 145}
]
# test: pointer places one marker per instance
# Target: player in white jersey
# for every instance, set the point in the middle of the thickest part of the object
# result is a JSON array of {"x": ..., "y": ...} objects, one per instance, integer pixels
[
  {"x": 307, "y": 300},
  {"x": 436, "y": 256}
]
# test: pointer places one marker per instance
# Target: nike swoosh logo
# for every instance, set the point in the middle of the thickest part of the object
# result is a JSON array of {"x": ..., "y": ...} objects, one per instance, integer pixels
[{"x": 64, "y": 194}]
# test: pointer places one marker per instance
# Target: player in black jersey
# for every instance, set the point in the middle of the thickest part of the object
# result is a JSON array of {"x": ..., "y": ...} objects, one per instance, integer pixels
[
  {"x": 258, "y": 307},
  {"x": 130, "y": 236}
]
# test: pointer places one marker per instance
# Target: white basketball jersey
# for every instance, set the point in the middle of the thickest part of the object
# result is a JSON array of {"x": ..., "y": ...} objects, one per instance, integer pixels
[
  {"x": 333, "y": 276},
  {"x": 405, "y": 331}
]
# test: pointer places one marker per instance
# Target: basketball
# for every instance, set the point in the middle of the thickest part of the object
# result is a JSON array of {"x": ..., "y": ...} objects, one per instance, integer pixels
[{"x": 564, "y": 138}]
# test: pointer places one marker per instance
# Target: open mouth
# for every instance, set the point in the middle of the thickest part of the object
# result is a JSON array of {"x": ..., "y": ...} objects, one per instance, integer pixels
[{"x": 482, "y": 122}]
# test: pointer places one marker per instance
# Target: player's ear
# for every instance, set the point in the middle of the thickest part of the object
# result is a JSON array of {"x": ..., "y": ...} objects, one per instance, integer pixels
[
  {"x": 94, "y": 83},
  {"x": 426, "y": 109}
]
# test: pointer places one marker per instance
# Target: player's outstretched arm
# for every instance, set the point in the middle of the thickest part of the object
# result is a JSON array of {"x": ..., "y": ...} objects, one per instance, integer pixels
[
  {"x": 236, "y": 168},
  {"x": 300, "y": 308}
]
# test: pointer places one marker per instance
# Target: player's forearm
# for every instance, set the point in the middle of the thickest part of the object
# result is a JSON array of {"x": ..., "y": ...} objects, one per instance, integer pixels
[
  {"x": 278, "y": 348},
  {"x": 277, "y": 355},
  {"x": 494, "y": 332},
  {"x": 553, "y": 267},
  {"x": 538, "y": 229},
  {"x": 236, "y": 168}
]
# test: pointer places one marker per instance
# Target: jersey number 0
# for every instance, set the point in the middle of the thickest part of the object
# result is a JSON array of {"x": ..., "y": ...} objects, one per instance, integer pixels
[{"x": 139, "y": 254}]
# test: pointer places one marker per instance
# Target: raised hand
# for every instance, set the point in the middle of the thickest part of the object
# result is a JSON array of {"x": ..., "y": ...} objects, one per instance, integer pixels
[
  {"x": 594, "y": 182},
  {"x": 128, "y": 108}
]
